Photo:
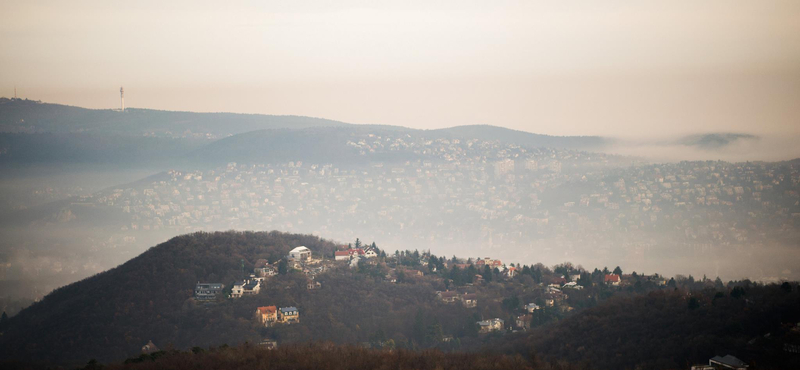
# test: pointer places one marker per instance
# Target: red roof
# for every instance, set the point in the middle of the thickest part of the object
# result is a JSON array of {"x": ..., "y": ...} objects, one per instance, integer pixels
[
  {"x": 349, "y": 252},
  {"x": 267, "y": 310},
  {"x": 611, "y": 278}
]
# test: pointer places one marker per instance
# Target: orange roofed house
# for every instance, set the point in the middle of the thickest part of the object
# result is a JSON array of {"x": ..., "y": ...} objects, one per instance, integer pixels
[
  {"x": 612, "y": 279},
  {"x": 267, "y": 315}
]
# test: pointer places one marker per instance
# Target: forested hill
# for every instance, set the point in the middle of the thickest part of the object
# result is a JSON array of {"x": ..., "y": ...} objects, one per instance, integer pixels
[
  {"x": 675, "y": 329},
  {"x": 29, "y": 116},
  {"x": 391, "y": 302},
  {"x": 111, "y": 315}
]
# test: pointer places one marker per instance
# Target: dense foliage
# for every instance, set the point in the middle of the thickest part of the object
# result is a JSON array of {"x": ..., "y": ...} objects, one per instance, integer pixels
[
  {"x": 111, "y": 315},
  {"x": 323, "y": 356},
  {"x": 642, "y": 324},
  {"x": 678, "y": 328}
]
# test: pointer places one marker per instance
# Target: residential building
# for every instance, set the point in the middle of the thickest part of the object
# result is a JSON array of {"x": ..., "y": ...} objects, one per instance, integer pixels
[
  {"x": 149, "y": 348},
  {"x": 246, "y": 287},
  {"x": 289, "y": 315},
  {"x": 300, "y": 254},
  {"x": 530, "y": 307},
  {"x": 347, "y": 254},
  {"x": 267, "y": 315},
  {"x": 448, "y": 296},
  {"x": 470, "y": 300},
  {"x": 207, "y": 291},
  {"x": 487, "y": 326},
  {"x": 612, "y": 279},
  {"x": 727, "y": 362}
]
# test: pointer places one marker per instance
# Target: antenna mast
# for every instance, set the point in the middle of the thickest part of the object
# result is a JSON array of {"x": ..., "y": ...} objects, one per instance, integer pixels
[{"x": 122, "y": 99}]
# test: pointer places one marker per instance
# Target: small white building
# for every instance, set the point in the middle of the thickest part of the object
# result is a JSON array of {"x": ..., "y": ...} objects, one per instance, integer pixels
[
  {"x": 530, "y": 307},
  {"x": 300, "y": 254}
]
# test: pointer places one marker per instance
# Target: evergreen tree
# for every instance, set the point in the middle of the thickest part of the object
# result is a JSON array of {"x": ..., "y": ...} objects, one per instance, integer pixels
[
  {"x": 434, "y": 334},
  {"x": 283, "y": 267},
  {"x": 487, "y": 274},
  {"x": 618, "y": 271}
]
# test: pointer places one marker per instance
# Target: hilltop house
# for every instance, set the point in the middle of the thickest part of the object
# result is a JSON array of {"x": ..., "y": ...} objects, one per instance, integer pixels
[
  {"x": 149, "y": 348},
  {"x": 264, "y": 269},
  {"x": 612, "y": 279},
  {"x": 300, "y": 254},
  {"x": 267, "y": 315},
  {"x": 370, "y": 252},
  {"x": 727, "y": 362},
  {"x": 347, "y": 254},
  {"x": 448, "y": 296},
  {"x": 487, "y": 326},
  {"x": 530, "y": 307},
  {"x": 481, "y": 262},
  {"x": 470, "y": 300},
  {"x": 311, "y": 285},
  {"x": 207, "y": 291},
  {"x": 289, "y": 315},
  {"x": 246, "y": 287}
]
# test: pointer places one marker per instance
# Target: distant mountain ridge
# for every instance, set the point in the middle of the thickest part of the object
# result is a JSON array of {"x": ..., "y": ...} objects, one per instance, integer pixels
[
  {"x": 32, "y": 132},
  {"x": 28, "y": 116}
]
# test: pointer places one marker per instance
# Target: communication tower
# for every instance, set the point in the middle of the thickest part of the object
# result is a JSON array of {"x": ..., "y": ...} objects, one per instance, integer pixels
[{"x": 122, "y": 99}]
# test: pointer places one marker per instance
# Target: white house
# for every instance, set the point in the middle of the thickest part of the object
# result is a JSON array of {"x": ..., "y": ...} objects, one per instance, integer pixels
[
  {"x": 490, "y": 325},
  {"x": 246, "y": 287},
  {"x": 530, "y": 307},
  {"x": 300, "y": 254}
]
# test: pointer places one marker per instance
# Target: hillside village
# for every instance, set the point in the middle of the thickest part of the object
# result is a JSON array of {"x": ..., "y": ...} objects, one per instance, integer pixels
[
  {"x": 484, "y": 197},
  {"x": 538, "y": 294},
  {"x": 205, "y": 290}
]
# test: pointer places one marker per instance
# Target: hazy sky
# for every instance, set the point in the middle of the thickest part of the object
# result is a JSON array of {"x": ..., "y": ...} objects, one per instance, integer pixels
[{"x": 628, "y": 68}]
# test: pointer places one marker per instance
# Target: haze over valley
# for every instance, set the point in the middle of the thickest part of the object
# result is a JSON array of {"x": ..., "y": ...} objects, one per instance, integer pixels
[
  {"x": 448, "y": 185},
  {"x": 91, "y": 189}
]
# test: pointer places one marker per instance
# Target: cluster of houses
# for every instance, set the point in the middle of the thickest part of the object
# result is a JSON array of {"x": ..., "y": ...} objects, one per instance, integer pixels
[
  {"x": 299, "y": 258},
  {"x": 482, "y": 263},
  {"x": 469, "y": 300},
  {"x": 354, "y": 255},
  {"x": 271, "y": 315}
]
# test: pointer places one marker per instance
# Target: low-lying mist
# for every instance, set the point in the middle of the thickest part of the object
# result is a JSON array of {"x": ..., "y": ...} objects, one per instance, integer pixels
[{"x": 733, "y": 148}]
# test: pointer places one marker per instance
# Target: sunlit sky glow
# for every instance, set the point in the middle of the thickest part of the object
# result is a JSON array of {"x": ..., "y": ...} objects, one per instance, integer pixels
[{"x": 566, "y": 68}]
